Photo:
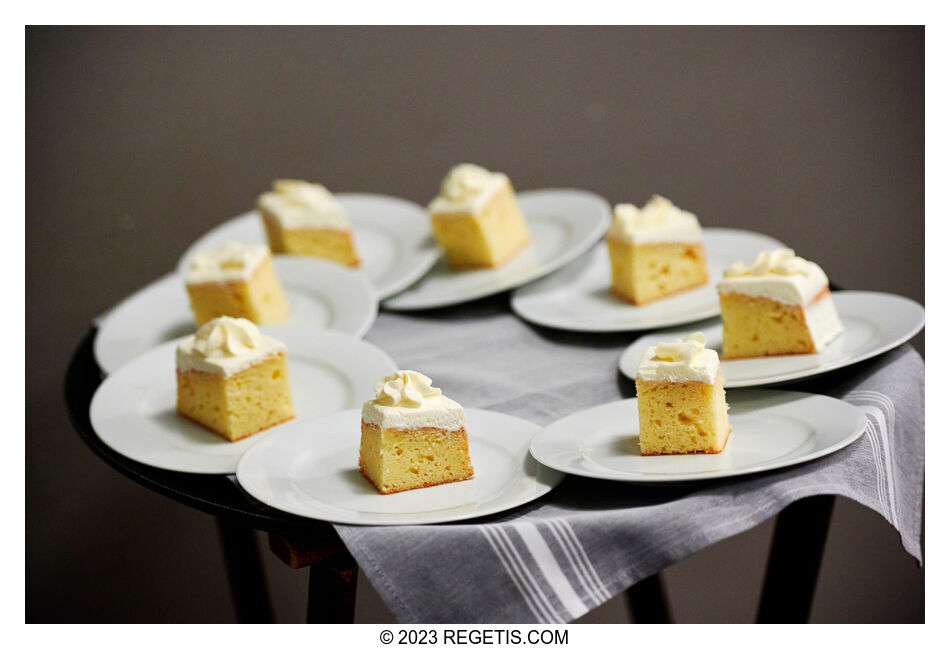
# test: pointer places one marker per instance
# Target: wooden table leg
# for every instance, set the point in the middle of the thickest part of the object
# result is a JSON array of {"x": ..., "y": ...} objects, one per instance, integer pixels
[
  {"x": 333, "y": 571},
  {"x": 794, "y": 560},
  {"x": 332, "y": 595},
  {"x": 245, "y": 570},
  {"x": 647, "y": 601}
]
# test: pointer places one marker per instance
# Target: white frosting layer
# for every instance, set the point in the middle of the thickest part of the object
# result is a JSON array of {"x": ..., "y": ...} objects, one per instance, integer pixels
[
  {"x": 823, "y": 322},
  {"x": 225, "y": 346},
  {"x": 680, "y": 361},
  {"x": 658, "y": 222},
  {"x": 778, "y": 275},
  {"x": 466, "y": 189},
  {"x": 232, "y": 261},
  {"x": 407, "y": 399},
  {"x": 297, "y": 204}
]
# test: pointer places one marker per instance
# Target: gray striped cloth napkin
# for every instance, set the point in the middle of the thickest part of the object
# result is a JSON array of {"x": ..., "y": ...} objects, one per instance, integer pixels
[{"x": 556, "y": 558}]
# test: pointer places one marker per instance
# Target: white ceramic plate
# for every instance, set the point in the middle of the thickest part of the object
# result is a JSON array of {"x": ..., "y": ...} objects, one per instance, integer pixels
[
  {"x": 133, "y": 411},
  {"x": 577, "y": 297},
  {"x": 310, "y": 469},
  {"x": 770, "y": 429},
  {"x": 563, "y": 224},
  {"x": 392, "y": 236},
  {"x": 321, "y": 295},
  {"x": 873, "y": 324}
]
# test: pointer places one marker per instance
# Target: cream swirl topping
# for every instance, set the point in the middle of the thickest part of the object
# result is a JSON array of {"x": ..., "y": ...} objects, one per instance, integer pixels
[
  {"x": 657, "y": 211},
  {"x": 658, "y": 221},
  {"x": 228, "y": 262},
  {"x": 299, "y": 204},
  {"x": 680, "y": 360},
  {"x": 465, "y": 182},
  {"x": 777, "y": 275},
  {"x": 781, "y": 261},
  {"x": 226, "y": 336},
  {"x": 407, "y": 399},
  {"x": 225, "y": 345},
  {"x": 466, "y": 188},
  {"x": 300, "y": 192},
  {"x": 679, "y": 350},
  {"x": 405, "y": 389}
]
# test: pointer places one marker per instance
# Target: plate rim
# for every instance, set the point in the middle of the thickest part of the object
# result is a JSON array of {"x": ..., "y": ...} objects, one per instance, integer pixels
[
  {"x": 167, "y": 348},
  {"x": 516, "y": 299},
  {"x": 579, "y": 249},
  {"x": 822, "y": 369},
  {"x": 542, "y": 488},
  {"x": 332, "y": 268},
  {"x": 852, "y": 437},
  {"x": 427, "y": 258},
  {"x": 100, "y": 322}
]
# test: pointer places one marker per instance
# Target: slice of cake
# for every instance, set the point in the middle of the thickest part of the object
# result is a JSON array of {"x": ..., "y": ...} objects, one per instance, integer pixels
[
  {"x": 779, "y": 305},
  {"x": 302, "y": 218},
  {"x": 476, "y": 219},
  {"x": 236, "y": 280},
  {"x": 232, "y": 379},
  {"x": 681, "y": 400},
  {"x": 654, "y": 252},
  {"x": 412, "y": 436}
]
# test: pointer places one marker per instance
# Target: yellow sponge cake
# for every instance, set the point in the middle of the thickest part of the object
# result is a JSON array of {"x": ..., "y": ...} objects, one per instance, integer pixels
[
  {"x": 654, "y": 252},
  {"x": 681, "y": 401},
  {"x": 232, "y": 379},
  {"x": 303, "y": 218},
  {"x": 476, "y": 219},
  {"x": 238, "y": 281},
  {"x": 412, "y": 436},
  {"x": 779, "y": 305}
]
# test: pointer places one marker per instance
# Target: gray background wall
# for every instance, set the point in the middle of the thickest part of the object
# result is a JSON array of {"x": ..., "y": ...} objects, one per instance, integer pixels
[{"x": 140, "y": 139}]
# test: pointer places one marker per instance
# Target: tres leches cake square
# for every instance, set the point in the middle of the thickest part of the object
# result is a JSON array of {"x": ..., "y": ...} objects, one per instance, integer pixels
[
  {"x": 476, "y": 219},
  {"x": 304, "y": 218},
  {"x": 232, "y": 379},
  {"x": 654, "y": 252},
  {"x": 681, "y": 401},
  {"x": 412, "y": 436},
  {"x": 236, "y": 280},
  {"x": 779, "y": 305}
]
